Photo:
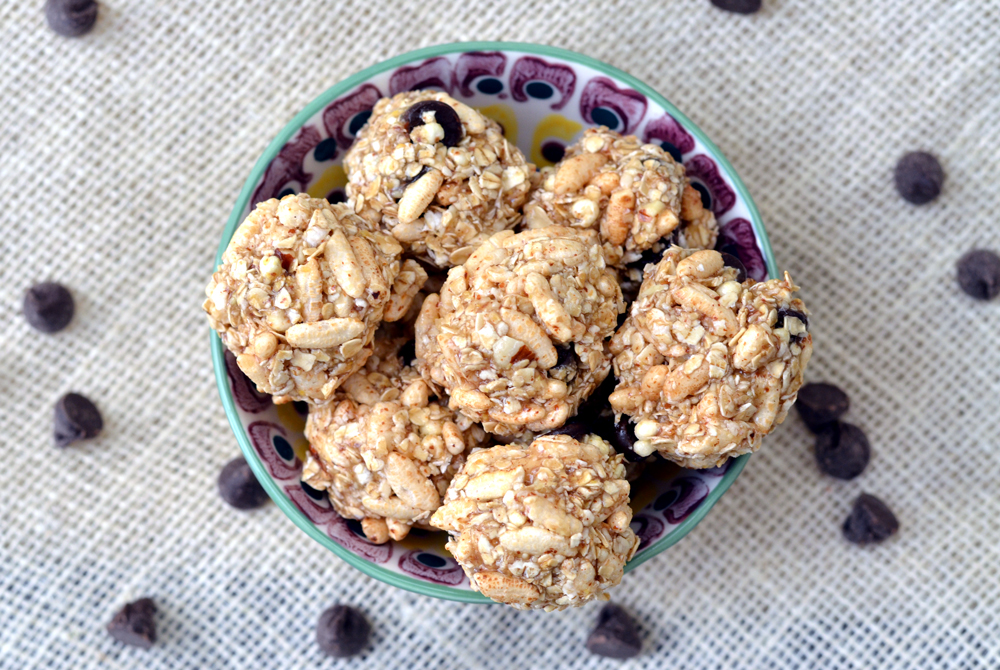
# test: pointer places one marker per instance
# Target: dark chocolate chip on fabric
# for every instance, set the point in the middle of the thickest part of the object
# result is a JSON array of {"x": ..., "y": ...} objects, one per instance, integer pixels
[
  {"x": 444, "y": 116},
  {"x": 71, "y": 18},
  {"x": 842, "y": 450},
  {"x": 979, "y": 274},
  {"x": 738, "y": 6},
  {"x": 870, "y": 521},
  {"x": 919, "y": 177},
  {"x": 342, "y": 631},
  {"x": 734, "y": 262},
  {"x": 820, "y": 404},
  {"x": 48, "y": 307},
  {"x": 239, "y": 487},
  {"x": 134, "y": 624},
  {"x": 615, "y": 635},
  {"x": 76, "y": 418}
]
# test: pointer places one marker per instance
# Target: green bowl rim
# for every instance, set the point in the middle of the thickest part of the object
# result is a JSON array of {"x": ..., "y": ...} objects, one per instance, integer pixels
[{"x": 218, "y": 360}]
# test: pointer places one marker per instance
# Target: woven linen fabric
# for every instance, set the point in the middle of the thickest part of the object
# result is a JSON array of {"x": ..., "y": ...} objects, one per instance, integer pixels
[{"x": 122, "y": 152}]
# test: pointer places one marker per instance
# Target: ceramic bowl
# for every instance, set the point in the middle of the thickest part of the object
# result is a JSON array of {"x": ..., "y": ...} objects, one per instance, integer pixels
[{"x": 544, "y": 98}]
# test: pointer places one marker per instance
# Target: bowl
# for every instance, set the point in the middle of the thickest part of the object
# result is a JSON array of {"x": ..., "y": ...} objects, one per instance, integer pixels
[{"x": 543, "y": 97}]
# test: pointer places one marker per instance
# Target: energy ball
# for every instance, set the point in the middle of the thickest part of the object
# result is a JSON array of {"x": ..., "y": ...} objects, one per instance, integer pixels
[
  {"x": 385, "y": 450},
  {"x": 543, "y": 527},
  {"x": 437, "y": 174},
  {"x": 633, "y": 194},
  {"x": 517, "y": 335},
  {"x": 708, "y": 365}
]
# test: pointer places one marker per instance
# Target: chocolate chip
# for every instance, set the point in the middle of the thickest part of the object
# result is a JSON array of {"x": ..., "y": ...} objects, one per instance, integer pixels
[
  {"x": 444, "y": 115},
  {"x": 784, "y": 313},
  {"x": 979, "y": 274},
  {"x": 870, "y": 521},
  {"x": 624, "y": 439},
  {"x": 820, "y": 404},
  {"x": 734, "y": 262},
  {"x": 842, "y": 450},
  {"x": 615, "y": 635},
  {"x": 76, "y": 418},
  {"x": 576, "y": 428},
  {"x": 71, "y": 18},
  {"x": 408, "y": 352},
  {"x": 919, "y": 177},
  {"x": 48, "y": 307},
  {"x": 285, "y": 257},
  {"x": 567, "y": 364},
  {"x": 738, "y": 6},
  {"x": 239, "y": 487},
  {"x": 134, "y": 624},
  {"x": 342, "y": 631}
]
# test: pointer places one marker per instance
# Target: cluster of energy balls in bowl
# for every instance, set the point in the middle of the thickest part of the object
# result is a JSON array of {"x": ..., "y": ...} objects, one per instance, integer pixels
[{"x": 449, "y": 321}]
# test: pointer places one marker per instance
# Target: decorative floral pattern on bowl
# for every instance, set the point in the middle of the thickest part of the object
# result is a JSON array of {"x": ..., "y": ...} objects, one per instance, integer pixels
[{"x": 544, "y": 98}]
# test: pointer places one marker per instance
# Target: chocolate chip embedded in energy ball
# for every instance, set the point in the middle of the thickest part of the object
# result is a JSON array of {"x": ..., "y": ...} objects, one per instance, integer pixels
[
  {"x": 842, "y": 450},
  {"x": 919, "y": 177},
  {"x": 615, "y": 635},
  {"x": 134, "y": 624},
  {"x": 444, "y": 116},
  {"x": 870, "y": 521},
  {"x": 239, "y": 487},
  {"x": 738, "y": 6},
  {"x": 342, "y": 631},
  {"x": 48, "y": 307},
  {"x": 820, "y": 404},
  {"x": 76, "y": 418},
  {"x": 624, "y": 440},
  {"x": 71, "y": 18},
  {"x": 979, "y": 274}
]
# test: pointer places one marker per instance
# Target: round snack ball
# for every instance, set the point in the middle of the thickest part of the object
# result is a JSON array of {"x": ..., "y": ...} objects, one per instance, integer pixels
[
  {"x": 707, "y": 365},
  {"x": 979, "y": 274},
  {"x": 633, "y": 194},
  {"x": 437, "y": 174},
  {"x": 48, "y": 307},
  {"x": 738, "y": 6},
  {"x": 919, "y": 177},
  {"x": 71, "y": 18},
  {"x": 385, "y": 450},
  {"x": 76, "y": 418},
  {"x": 543, "y": 527},
  {"x": 301, "y": 289},
  {"x": 342, "y": 631},
  {"x": 239, "y": 487},
  {"x": 517, "y": 335}
]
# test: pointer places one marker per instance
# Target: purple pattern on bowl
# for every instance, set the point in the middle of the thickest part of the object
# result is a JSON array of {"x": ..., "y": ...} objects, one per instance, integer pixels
[
  {"x": 432, "y": 73},
  {"x": 667, "y": 129},
  {"x": 705, "y": 170},
  {"x": 338, "y": 115},
  {"x": 263, "y": 434},
  {"x": 320, "y": 512},
  {"x": 245, "y": 392},
  {"x": 647, "y": 528},
  {"x": 286, "y": 168},
  {"x": 341, "y": 533},
  {"x": 682, "y": 498},
  {"x": 718, "y": 471},
  {"x": 475, "y": 64},
  {"x": 737, "y": 238},
  {"x": 431, "y": 567},
  {"x": 529, "y": 68},
  {"x": 627, "y": 105}
]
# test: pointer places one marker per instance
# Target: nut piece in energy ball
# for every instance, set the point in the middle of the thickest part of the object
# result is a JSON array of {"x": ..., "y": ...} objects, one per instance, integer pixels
[
  {"x": 633, "y": 194},
  {"x": 707, "y": 365},
  {"x": 301, "y": 289},
  {"x": 437, "y": 174},
  {"x": 517, "y": 334},
  {"x": 545, "y": 527},
  {"x": 384, "y": 450}
]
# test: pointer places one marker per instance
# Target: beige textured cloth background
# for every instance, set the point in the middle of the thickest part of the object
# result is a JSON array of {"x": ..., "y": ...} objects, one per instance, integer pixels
[{"x": 121, "y": 154}]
